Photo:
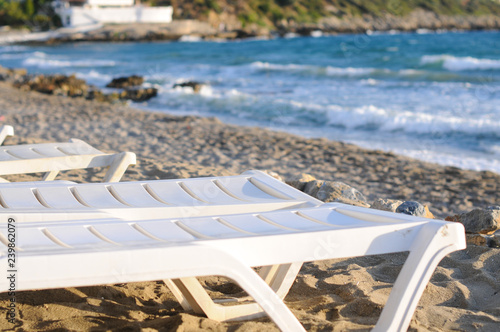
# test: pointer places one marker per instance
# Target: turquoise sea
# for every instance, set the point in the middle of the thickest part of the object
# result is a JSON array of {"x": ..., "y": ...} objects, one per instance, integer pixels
[{"x": 432, "y": 96}]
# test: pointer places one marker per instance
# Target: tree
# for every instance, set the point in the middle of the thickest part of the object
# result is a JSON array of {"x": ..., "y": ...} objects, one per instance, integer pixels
[{"x": 29, "y": 8}]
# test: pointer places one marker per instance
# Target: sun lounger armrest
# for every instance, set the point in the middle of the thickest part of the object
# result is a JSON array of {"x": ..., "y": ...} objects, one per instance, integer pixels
[
  {"x": 6, "y": 131},
  {"x": 119, "y": 165}
]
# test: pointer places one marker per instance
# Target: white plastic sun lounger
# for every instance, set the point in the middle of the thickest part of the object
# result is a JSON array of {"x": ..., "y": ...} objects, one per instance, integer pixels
[
  {"x": 88, "y": 234},
  {"x": 51, "y": 158}
]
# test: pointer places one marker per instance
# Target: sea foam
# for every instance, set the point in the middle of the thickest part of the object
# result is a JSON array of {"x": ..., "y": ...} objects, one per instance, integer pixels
[
  {"x": 460, "y": 63},
  {"x": 376, "y": 118},
  {"x": 328, "y": 70},
  {"x": 43, "y": 60}
]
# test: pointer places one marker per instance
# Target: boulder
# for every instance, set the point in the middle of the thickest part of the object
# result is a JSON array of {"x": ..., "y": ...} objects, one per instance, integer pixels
[
  {"x": 477, "y": 240},
  {"x": 332, "y": 191},
  {"x": 12, "y": 74},
  {"x": 495, "y": 241},
  {"x": 416, "y": 209},
  {"x": 300, "y": 183},
  {"x": 481, "y": 221},
  {"x": 386, "y": 204},
  {"x": 126, "y": 82},
  {"x": 312, "y": 187},
  {"x": 196, "y": 86},
  {"x": 141, "y": 94},
  {"x": 101, "y": 97},
  {"x": 54, "y": 84}
]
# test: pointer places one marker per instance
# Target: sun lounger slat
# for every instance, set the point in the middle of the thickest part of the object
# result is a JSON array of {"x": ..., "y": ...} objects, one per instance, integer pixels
[
  {"x": 166, "y": 230},
  {"x": 122, "y": 234},
  {"x": 20, "y": 198},
  {"x": 59, "y": 197},
  {"x": 77, "y": 237},
  {"x": 5, "y": 156},
  {"x": 209, "y": 192},
  {"x": 32, "y": 238},
  {"x": 243, "y": 189},
  {"x": 135, "y": 194},
  {"x": 334, "y": 218},
  {"x": 293, "y": 221},
  {"x": 256, "y": 225},
  {"x": 97, "y": 197},
  {"x": 171, "y": 193},
  {"x": 209, "y": 228},
  {"x": 21, "y": 152}
]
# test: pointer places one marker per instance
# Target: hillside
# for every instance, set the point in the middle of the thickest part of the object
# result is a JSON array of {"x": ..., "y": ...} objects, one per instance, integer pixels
[
  {"x": 276, "y": 14},
  {"x": 239, "y": 18}
]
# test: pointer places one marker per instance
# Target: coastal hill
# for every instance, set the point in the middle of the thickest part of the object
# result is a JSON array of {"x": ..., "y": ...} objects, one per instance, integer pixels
[
  {"x": 304, "y": 16},
  {"x": 237, "y": 19},
  {"x": 278, "y": 13}
]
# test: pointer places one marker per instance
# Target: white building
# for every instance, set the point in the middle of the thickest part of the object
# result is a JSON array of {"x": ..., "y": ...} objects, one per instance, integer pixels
[{"x": 75, "y": 13}]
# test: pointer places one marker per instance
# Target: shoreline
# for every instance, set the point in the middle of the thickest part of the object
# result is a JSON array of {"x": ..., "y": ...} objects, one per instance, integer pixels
[
  {"x": 133, "y": 90},
  {"x": 191, "y": 29},
  {"x": 336, "y": 295}
]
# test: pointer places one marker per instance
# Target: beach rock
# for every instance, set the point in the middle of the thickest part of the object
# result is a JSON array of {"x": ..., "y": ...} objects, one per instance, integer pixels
[
  {"x": 274, "y": 175},
  {"x": 301, "y": 182},
  {"x": 12, "y": 74},
  {"x": 494, "y": 242},
  {"x": 331, "y": 191},
  {"x": 477, "y": 240},
  {"x": 386, "y": 204},
  {"x": 196, "y": 86},
  {"x": 141, "y": 94},
  {"x": 312, "y": 187},
  {"x": 416, "y": 209},
  {"x": 98, "y": 95},
  {"x": 304, "y": 177},
  {"x": 481, "y": 221},
  {"x": 54, "y": 84},
  {"x": 126, "y": 82}
]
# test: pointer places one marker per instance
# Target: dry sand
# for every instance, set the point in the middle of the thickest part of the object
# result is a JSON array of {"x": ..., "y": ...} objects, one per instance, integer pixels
[{"x": 339, "y": 295}]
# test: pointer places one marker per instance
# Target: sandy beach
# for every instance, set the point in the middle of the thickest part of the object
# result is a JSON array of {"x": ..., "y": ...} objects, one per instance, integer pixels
[{"x": 340, "y": 295}]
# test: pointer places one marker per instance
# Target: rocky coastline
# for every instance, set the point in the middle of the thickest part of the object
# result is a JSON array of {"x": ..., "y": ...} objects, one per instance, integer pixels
[
  {"x": 416, "y": 21},
  {"x": 125, "y": 88}
]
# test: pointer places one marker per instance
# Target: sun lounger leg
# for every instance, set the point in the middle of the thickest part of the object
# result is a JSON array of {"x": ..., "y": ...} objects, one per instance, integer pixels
[
  {"x": 178, "y": 294},
  {"x": 49, "y": 176},
  {"x": 5, "y": 132},
  {"x": 244, "y": 276},
  {"x": 266, "y": 298},
  {"x": 433, "y": 243},
  {"x": 119, "y": 166},
  {"x": 280, "y": 277},
  {"x": 197, "y": 299}
]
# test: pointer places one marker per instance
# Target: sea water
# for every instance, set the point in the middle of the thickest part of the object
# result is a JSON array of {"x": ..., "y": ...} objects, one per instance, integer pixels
[{"x": 432, "y": 96}]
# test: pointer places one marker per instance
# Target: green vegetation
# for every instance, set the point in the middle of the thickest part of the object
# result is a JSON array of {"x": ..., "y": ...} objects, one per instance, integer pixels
[
  {"x": 38, "y": 14},
  {"x": 33, "y": 14},
  {"x": 272, "y": 12}
]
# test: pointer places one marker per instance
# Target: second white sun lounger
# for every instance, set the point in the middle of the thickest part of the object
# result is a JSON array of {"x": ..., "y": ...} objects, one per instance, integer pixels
[
  {"x": 51, "y": 158},
  {"x": 88, "y": 234}
]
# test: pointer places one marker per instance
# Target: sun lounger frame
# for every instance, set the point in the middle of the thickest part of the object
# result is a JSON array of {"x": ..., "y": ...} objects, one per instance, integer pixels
[{"x": 51, "y": 158}]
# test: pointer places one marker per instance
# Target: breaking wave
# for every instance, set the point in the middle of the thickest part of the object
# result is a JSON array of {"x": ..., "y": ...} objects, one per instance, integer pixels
[{"x": 453, "y": 63}]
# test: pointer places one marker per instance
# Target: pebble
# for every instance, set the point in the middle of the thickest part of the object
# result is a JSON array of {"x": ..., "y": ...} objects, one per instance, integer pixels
[
  {"x": 414, "y": 208},
  {"x": 386, "y": 204}
]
